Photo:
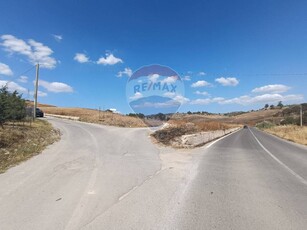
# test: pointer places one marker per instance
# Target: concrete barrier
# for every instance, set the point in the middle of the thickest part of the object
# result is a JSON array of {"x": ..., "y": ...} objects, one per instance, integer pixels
[
  {"x": 199, "y": 139},
  {"x": 63, "y": 117}
]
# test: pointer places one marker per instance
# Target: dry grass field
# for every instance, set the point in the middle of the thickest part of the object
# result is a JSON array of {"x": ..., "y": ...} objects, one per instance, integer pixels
[
  {"x": 250, "y": 118},
  {"x": 255, "y": 117},
  {"x": 290, "y": 132},
  {"x": 94, "y": 116},
  {"x": 20, "y": 141}
]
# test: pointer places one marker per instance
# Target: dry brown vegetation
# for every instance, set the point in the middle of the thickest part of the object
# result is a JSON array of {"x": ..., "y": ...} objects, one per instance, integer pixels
[
  {"x": 178, "y": 128},
  {"x": 250, "y": 118},
  {"x": 94, "y": 116},
  {"x": 20, "y": 141},
  {"x": 290, "y": 132}
]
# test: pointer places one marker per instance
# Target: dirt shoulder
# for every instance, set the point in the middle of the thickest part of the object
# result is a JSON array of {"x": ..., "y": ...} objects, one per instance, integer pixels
[{"x": 21, "y": 141}]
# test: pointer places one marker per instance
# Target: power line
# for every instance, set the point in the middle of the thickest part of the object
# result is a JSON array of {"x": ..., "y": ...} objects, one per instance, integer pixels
[
  {"x": 18, "y": 75},
  {"x": 246, "y": 74}
]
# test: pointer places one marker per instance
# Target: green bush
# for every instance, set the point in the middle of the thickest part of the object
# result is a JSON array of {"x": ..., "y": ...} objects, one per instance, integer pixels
[
  {"x": 290, "y": 121},
  {"x": 265, "y": 125},
  {"x": 12, "y": 106}
]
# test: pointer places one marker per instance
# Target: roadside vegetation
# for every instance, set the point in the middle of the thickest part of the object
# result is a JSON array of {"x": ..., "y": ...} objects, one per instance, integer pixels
[
  {"x": 20, "y": 141},
  {"x": 286, "y": 123},
  {"x": 177, "y": 128},
  {"x": 12, "y": 106},
  {"x": 20, "y": 138},
  {"x": 293, "y": 133},
  {"x": 95, "y": 116}
]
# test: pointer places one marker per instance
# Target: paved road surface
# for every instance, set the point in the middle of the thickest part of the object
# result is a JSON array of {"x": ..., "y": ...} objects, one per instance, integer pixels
[{"x": 100, "y": 177}]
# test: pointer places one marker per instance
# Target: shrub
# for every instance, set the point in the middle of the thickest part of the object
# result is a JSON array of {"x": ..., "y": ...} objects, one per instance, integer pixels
[
  {"x": 265, "y": 125},
  {"x": 290, "y": 121},
  {"x": 12, "y": 106}
]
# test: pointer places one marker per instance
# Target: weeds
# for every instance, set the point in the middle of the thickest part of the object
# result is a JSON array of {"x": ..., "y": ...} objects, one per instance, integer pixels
[{"x": 19, "y": 142}]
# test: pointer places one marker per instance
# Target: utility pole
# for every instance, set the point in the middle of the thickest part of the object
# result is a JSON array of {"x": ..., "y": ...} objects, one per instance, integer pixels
[
  {"x": 35, "y": 91},
  {"x": 301, "y": 115}
]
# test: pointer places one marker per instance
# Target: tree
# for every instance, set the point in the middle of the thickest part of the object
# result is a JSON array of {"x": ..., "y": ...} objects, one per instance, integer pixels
[
  {"x": 280, "y": 104},
  {"x": 12, "y": 106},
  {"x": 272, "y": 106},
  {"x": 161, "y": 116},
  {"x": 4, "y": 115},
  {"x": 266, "y": 106}
]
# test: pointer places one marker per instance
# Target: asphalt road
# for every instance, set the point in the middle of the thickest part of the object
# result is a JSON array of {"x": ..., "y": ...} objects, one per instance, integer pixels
[{"x": 100, "y": 177}]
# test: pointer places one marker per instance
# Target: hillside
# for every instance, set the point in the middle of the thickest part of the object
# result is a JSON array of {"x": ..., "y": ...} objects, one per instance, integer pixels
[
  {"x": 286, "y": 115},
  {"x": 96, "y": 116},
  {"x": 250, "y": 118}
]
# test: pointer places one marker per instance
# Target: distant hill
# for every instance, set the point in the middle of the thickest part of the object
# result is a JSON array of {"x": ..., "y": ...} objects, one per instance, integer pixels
[{"x": 287, "y": 115}]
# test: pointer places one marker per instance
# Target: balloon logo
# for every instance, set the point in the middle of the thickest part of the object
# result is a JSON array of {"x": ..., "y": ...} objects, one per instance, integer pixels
[{"x": 155, "y": 89}]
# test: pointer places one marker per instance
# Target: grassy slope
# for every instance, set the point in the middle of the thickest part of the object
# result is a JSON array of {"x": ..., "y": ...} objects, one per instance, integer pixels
[{"x": 20, "y": 142}]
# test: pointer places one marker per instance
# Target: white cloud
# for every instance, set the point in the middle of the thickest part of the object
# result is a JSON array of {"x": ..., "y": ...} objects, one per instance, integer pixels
[
  {"x": 23, "y": 79},
  {"x": 153, "y": 77},
  {"x": 136, "y": 96},
  {"x": 186, "y": 78},
  {"x": 169, "y": 80},
  {"x": 12, "y": 86},
  {"x": 56, "y": 87},
  {"x": 218, "y": 99},
  {"x": 177, "y": 97},
  {"x": 81, "y": 58},
  {"x": 181, "y": 99},
  {"x": 127, "y": 71},
  {"x": 200, "y": 84},
  {"x": 174, "y": 101},
  {"x": 169, "y": 94},
  {"x": 58, "y": 38},
  {"x": 36, "y": 52},
  {"x": 265, "y": 98},
  {"x": 201, "y": 101},
  {"x": 277, "y": 88},
  {"x": 230, "y": 81},
  {"x": 39, "y": 94},
  {"x": 167, "y": 104},
  {"x": 204, "y": 93},
  {"x": 110, "y": 59},
  {"x": 5, "y": 69},
  {"x": 206, "y": 101},
  {"x": 201, "y": 73},
  {"x": 249, "y": 100}
]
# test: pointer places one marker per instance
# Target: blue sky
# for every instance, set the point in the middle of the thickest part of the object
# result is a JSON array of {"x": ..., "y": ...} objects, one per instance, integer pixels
[{"x": 238, "y": 55}]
